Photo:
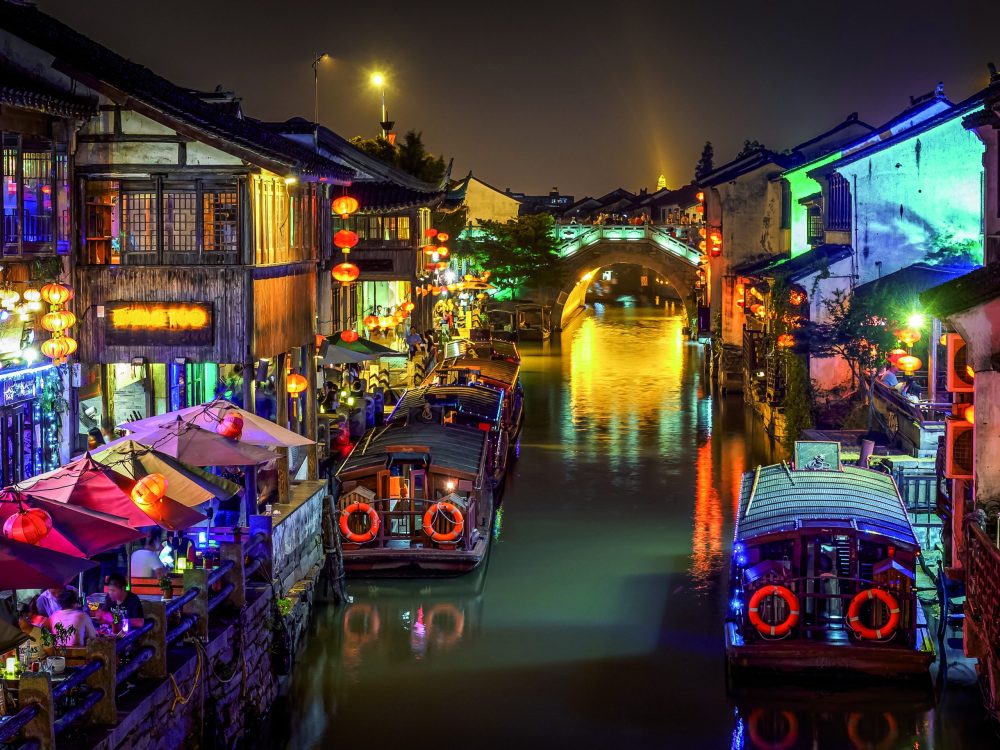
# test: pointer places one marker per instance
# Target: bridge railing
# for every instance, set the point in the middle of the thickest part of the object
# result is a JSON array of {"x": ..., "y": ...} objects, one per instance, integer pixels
[{"x": 574, "y": 238}]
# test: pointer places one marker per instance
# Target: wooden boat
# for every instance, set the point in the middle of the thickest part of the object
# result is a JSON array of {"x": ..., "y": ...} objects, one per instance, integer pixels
[
  {"x": 502, "y": 374},
  {"x": 823, "y": 572},
  {"x": 488, "y": 348},
  {"x": 472, "y": 405},
  {"x": 534, "y": 322},
  {"x": 414, "y": 497}
]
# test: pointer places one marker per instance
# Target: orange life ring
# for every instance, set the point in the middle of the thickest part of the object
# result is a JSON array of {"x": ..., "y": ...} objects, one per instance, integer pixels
[
  {"x": 854, "y": 615},
  {"x": 783, "y": 627},
  {"x": 373, "y": 523},
  {"x": 452, "y": 636},
  {"x": 457, "y": 520},
  {"x": 760, "y": 741},
  {"x": 886, "y": 743},
  {"x": 365, "y": 615}
]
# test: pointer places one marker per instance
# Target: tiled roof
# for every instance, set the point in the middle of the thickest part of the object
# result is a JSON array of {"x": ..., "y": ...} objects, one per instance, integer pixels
[
  {"x": 100, "y": 68},
  {"x": 451, "y": 446},
  {"x": 27, "y": 92},
  {"x": 477, "y": 401},
  {"x": 777, "y": 499},
  {"x": 963, "y": 293},
  {"x": 805, "y": 264},
  {"x": 913, "y": 280}
]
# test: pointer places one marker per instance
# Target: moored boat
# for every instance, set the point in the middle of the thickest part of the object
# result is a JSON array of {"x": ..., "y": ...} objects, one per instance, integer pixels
[
  {"x": 483, "y": 349},
  {"x": 471, "y": 405},
  {"x": 414, "y": 497},
  {"x": 823, "y": 572},
  {"x": 502, "y": 374}
]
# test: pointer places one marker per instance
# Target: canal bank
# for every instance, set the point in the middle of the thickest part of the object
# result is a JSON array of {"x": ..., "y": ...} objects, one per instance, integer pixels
[{"x": 597, "y": 619}]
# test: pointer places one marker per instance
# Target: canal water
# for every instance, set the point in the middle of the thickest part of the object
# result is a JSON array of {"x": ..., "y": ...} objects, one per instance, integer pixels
[{"x": 597, "y": 619}]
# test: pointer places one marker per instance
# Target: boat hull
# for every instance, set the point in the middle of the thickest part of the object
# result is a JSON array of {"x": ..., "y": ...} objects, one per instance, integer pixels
[
  {"x": 416, "y": 561},
  {"x": 875, "y": 659}
]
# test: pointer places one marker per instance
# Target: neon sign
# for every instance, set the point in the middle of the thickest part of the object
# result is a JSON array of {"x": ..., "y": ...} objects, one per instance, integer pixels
[{"x": 139, "y": 323}]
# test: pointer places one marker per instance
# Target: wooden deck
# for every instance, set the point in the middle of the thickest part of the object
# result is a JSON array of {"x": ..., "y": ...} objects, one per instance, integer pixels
[{"x": 412, "y": 560}]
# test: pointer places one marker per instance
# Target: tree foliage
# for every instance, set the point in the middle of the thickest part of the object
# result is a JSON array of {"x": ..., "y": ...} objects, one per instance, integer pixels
[
  {"x": 749, "y": 147},
  {"x": 410, "y": 155},
  {"x": 518, "y": 253},
  {"x": 947, "y": 250},
  {"x": 705, "y": 162}
]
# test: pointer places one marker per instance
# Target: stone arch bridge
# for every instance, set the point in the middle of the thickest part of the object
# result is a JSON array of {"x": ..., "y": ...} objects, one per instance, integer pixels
[{"x": 584, "y": 250}]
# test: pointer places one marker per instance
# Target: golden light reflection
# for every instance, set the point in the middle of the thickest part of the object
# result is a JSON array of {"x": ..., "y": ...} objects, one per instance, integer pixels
[{"x": 706, "y": 537}]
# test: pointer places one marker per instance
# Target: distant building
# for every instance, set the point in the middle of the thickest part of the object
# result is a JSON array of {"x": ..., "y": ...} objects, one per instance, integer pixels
[
  {"x": 554, "y": 203},
  {"x": 483, "y": 202}
]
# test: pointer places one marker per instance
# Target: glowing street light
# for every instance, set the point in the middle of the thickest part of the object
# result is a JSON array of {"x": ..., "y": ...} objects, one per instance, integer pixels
[
  {"x": 315, "y": 66},
  {"x": 378, "y": 81},
  {"x": 915, "y": 321}
]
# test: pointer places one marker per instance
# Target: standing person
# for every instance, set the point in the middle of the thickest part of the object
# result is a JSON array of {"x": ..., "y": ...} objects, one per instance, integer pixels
[
  {"x": 414, "y": 340},
  {"x": 145, "y": 561}
]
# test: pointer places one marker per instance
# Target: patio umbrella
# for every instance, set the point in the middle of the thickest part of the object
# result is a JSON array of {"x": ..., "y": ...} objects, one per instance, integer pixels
[
  {"x": 187, "y": 484},
  {"x": 76, "y": 531},
  {"x": 86, "y": 483},
  {"x": 338, "y": 355},
  {"x": 192, "y": 444},
  {"x": 29, "y": 566},
  {"x": 256, "y": 429},
  {"x": 364, "y": 346}
]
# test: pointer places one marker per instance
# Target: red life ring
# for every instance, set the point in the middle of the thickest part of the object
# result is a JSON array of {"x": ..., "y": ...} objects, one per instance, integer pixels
[
  {"x": 783, "y": 627},
  {"x": 441, "y": 636},
  {"x": 887, "y": 742},
  {"x": 361, "y": 624},
  {"x": 854, "y": 615},
  {"x": 373, "y": 523},
  {"x": 456, "y": 518},
  {"x": 758, "y": 738}
]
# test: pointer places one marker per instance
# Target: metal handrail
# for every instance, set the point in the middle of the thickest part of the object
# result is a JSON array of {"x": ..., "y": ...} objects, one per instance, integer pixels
[
  {"x": 219, "y": 573},
  {"x": 126, "y": 641},
  {"x": 175, "y": 604},
  {"x": 133, "y": 665},
  {"x": 180, "y": 629},
  {"x": 253, "y": 567},
  {"x": 12, "y": 727},
  {"x": 65, "y": 721},
  {"x": 60, "y": 689},
  {"x": 220, "y": 597}
]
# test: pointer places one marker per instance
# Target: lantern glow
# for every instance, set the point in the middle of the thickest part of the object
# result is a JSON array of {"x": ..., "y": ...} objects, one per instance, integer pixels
[
  {"x": 149, "y": 489},
  {"x": 296, "y": 384}
]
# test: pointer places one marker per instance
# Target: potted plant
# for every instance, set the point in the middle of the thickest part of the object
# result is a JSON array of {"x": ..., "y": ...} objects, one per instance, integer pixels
[
  {"x": 167, "y": 587},
  {"x": 57, "y": 643}
]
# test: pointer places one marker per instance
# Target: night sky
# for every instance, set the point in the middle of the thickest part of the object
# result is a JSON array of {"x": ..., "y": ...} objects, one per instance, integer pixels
[{"x": 583, "y": 96}]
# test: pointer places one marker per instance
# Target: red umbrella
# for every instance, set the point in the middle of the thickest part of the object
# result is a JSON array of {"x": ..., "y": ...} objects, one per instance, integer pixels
[
  {"x": 88, "y": 484},
  {"x": 75, "y": 530},
  {"x": 28, "y": 566},
  {"x": 191, "y": 444}
]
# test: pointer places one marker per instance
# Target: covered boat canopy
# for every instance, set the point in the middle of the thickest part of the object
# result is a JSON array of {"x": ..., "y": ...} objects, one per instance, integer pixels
[
  {"x": 777, "y": 499},
  {"x": 493, "y": 349},
  {"x": 449, "y": 447},
  {"x": 498, "y": 370},
  {"x": 476, "y": 401}
]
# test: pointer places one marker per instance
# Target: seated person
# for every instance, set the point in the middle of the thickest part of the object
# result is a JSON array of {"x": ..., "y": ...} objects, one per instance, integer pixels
[
  {"x": 122, "y": 601},
  {"x": 70, "y": 615},
  {"x": 46, "y": 603},
  {"x": 145, "y": 561}
]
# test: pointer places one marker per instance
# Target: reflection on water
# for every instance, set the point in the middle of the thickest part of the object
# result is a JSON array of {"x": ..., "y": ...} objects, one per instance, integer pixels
[{"x": 597, "y": 619}]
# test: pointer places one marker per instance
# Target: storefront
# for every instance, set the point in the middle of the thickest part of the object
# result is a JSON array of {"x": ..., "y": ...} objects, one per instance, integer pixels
[{"x": 31, "y": 409}]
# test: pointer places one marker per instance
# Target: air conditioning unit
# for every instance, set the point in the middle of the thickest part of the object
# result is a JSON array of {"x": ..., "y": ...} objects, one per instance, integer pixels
[
  {"x": 959, "y": 379},
  {"x": 959, "y": 449}
]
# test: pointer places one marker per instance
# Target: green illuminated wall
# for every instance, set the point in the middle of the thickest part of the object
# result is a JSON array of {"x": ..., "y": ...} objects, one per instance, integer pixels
[{"x": 800, "y": 184}]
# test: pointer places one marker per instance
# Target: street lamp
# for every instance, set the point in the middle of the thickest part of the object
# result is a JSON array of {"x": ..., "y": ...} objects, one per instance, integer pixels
[
  {"x": 315, "y": 66},
  {"x": 378, "y": 81}
]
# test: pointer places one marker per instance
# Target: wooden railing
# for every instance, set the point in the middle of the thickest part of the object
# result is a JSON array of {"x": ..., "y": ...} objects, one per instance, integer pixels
[
  {"x": 982, "y": 581},
  {"x": 88, "y": 694}
]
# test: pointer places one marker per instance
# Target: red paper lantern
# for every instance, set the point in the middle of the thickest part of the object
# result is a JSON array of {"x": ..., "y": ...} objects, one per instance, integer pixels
[
  {"x": 70, "y": 344},
  {"x": 700, "y": 196},
  {"x": 786, "y": 340},
  {"x": 442, "y": 236},
  {"x": 345, "y": 239},
  {"x": 150, "y": 489},
  {"x": 296, "y": 384},
  {"x": 430, "y": 249},
  {"x": 443, "y": 251},
  {"x": 55, "y": 349},
  {"x": 28, "y": 526},
  {"x": 430, "y": 232},
  {"x": 895, "y": 354},
  {"x": 909, "y": 364},
  {"x": 56, "y": 294},
  {"x": 440, "y": 265},
  {"x": 349, "y": 336},
  {"x": 408, "y": 306},
  {"x": 909, "y": 336},
  {"x": 58, "y": 321},
  {"x": 345, "y": 205},
  {"x": 345, "y": 273},
  {"x": 371, "y": 321},
  {"x": 231, "y": 426}
]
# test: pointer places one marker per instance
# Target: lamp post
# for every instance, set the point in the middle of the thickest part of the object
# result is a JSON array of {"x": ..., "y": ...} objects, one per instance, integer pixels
[
  {"x": 378, "y": 81},
  {"x": 315, "y": 67}
]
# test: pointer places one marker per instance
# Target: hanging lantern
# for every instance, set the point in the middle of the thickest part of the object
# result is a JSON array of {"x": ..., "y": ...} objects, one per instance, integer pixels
[
  {"x": 28, "y": 526},
  {"x": 786, "y": 340},
  {"x": 442, "y": 236},
  {"x": 32, "y": 295},
  {"x": 58, "y": 321},
  {"x": 296, "y": 384},
  {"x": 796, "y": 297},
  {"x": 349, "y": 336},
  {"x": 345, "y": 272},
  {"x": 408, "y": 306},
  {"x": 429, "y": 249},
  {"x": 345, "y": 205},
  {"x": 895, "y": 354},
  {"x": 71, "y": 345},
  {"x": 430, "y": 232},
  {"x": 55, "y": 349},
  {"x": 231, "y": 426},
  {"x": 909, "y": 364},
  {"x": 909, "y": 336},
  {"x": 970, "y": 414},
  {"x": 370, "y": 321},
  {"x": 345, "y": 239},
  {"x": 385, "y": 321},
  {"x": 149, "y": 489},
  {"x": 443, "y": 251},
  {"x": 700, "y": 196},
  {"x": 56, "y": 294},
  {"x": 703, "y": 245}
]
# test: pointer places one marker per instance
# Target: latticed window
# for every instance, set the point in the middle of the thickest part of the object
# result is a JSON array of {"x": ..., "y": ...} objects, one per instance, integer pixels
[
  {"x": 403, "y": 228},
  {"x": 221, "y": 222},
  {"x": 180, "y": 222},
  {"x": 139, "y": 222},
  {"x": 816, "y": 232}
]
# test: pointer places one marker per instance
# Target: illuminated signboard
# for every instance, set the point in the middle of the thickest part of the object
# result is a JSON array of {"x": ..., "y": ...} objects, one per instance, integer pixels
[
  {"x": 18, "y": 386},
  {"x": 164, "y": 323}
]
